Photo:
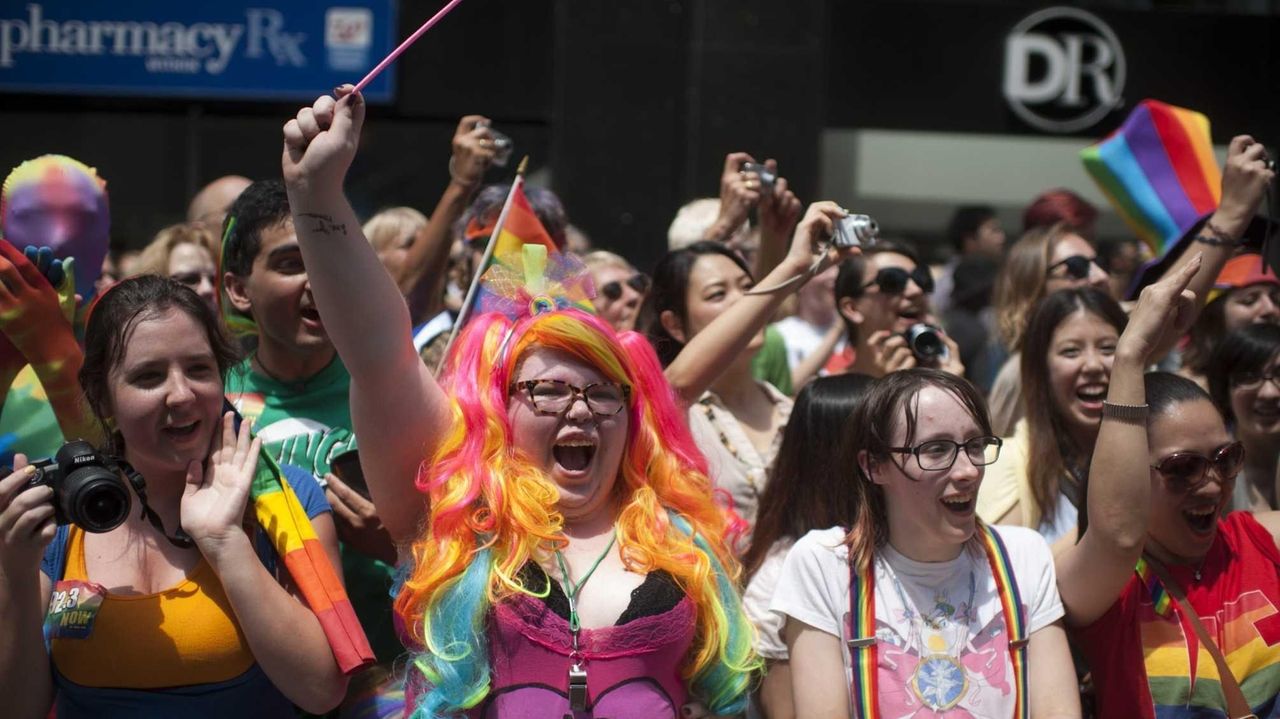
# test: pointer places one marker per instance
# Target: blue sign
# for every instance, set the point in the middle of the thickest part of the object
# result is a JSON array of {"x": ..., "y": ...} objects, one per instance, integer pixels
[{"x": 242, "y": 49}]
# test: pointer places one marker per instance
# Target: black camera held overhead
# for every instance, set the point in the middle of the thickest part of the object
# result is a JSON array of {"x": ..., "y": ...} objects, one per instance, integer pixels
[
  {"x": 925, "y": 341},
  {"x": 86, "y": 491}
]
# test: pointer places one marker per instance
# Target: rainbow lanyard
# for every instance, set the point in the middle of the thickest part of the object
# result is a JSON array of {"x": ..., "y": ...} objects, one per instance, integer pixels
[{"x": 862, "y": 622}]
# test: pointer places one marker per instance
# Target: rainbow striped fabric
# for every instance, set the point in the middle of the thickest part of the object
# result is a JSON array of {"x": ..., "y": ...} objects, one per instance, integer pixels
[
  {"x": 282, "y": 517},
  {"x": 1015, "y": 619},
  {"x": 1158, "y": 171},
  {"x": 1160, "y": 599}
]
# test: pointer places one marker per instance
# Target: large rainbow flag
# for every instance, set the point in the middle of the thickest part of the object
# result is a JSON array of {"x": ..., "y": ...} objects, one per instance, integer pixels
[
  {"x": 1158, "y": 171},
  {"x": 282, "y": 517}
]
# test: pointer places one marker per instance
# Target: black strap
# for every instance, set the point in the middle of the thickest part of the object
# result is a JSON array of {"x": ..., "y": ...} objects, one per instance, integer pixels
[{"x": 179, "y": 538}]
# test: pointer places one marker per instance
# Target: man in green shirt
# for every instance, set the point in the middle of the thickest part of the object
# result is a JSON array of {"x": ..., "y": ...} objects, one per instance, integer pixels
[{"x": 293, "y": 385}]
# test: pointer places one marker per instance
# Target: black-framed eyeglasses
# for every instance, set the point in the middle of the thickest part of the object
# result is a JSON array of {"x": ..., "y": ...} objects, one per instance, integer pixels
[
  {"x": 1185, "y": 472},
  {"x": 554, "y": 397},
  {"x": 1077, "y": 266},
  {"x": 939, "y": 454},
  {"x": 893, "y": 280},
  {"x": 613, "y": 290},
  {"x": 1254, "y": 380}
]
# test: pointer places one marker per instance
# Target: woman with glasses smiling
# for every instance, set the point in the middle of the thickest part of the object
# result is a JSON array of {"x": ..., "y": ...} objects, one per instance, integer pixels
[
  {"x": 1244, "y": 381},
  {"x": 1173, "y": 604},
  {"x": 913, "y": 606}
]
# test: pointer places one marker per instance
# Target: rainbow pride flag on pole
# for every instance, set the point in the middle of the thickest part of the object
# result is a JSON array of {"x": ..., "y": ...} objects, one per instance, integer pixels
[
  {"x": 1158, "y": 171},
  {"x": 282, "y": 517}
]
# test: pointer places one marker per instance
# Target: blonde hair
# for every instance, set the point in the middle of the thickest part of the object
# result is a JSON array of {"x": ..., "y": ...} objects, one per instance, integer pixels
[
  {"x": 389, "y": 225},
  {"x": 1020, "y": 285},
  {"x": 601, "y": 259},
  {"x": 154, "y": 259},
  {"x": 694, "y": 219}
]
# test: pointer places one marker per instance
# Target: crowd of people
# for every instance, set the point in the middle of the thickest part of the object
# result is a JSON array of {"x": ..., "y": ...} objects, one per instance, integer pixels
[{"x": 776, "y": 476}]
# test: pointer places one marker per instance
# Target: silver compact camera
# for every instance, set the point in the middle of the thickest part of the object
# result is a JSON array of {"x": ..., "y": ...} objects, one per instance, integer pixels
[
  {"x": 856, "y": 231},
  {"x": 767, "y": 177},
  {"x": 502, "y": 145}
]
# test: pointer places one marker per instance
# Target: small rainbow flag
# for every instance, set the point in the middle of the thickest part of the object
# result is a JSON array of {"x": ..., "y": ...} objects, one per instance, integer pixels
[
  {"x": 1158, "y": 171},
  {"x": 1160, "y": 598},
  {"x": 282, "y": 517},
  {"x": 521, "y": 227}
]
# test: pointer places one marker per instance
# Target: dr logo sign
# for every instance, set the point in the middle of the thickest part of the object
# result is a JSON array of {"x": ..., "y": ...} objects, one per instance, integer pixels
[{"x": 1064, "y": 70}]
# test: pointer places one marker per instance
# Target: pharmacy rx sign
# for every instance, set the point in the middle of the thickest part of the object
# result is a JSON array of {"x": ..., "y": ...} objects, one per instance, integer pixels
[{"x": 1064, "y": 70}]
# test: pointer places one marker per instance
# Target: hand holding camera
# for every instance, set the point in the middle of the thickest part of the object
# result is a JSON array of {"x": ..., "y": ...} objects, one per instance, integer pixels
[
  {"x": 779, "y": 208},
  {"x": 26, "y": 523},
  {"x": 1245, "y": 177},
  {"x": 473, "y": 151},
  {"x": 739, "y": 192}
]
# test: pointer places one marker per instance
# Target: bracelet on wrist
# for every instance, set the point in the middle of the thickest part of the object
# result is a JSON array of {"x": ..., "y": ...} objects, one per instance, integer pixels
[
  {"x": 1136, "y": 413},
  {"x": 454, "y": 176},
  {"x": 1216, "y": 237}
]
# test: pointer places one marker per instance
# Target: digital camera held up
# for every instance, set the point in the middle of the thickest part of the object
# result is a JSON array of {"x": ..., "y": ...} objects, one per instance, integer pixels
[
  {"x": 502, "y": 146},
  {"x": 856, "y": 231},
  {"x": 87, "y": 491},
  {"x": 925, "y": 341},
  {"x": 767, "y": 176}
]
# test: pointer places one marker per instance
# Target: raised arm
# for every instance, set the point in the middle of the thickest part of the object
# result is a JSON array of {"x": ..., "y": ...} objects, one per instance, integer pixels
[
  {"x": 1244, "y": 183},
  {"x": 1092, "y": 574},
  {"x": 778, "y": 212},
  {"x": 707, "y": 353},
  {"x": 422, "y": 276},
  {"x": 398, "y": 409}
]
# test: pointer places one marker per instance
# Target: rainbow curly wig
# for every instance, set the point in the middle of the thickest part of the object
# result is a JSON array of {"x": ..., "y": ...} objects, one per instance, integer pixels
[{"x": 491, "y": 512}]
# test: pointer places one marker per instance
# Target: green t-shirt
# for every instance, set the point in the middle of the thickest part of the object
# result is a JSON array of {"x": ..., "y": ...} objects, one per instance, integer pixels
[
  {"x": 307, "y": 424},
  {"x": 770, "y": 363}
]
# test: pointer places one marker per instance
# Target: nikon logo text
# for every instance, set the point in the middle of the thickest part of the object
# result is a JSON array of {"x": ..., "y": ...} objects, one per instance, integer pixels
[{"x": 1063, "y": 70}]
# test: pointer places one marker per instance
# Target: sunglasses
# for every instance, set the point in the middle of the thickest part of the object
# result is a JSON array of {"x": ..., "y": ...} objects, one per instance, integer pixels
[
  {"x": 893, "y": 280},
  {"x": 613, "y": 290},
  {"x": 1185, "y": 472},
  {"x": 1077, "y": 266}
]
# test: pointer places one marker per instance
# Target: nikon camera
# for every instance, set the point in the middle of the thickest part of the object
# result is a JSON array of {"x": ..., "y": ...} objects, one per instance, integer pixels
[{"x": 86, "y": 492}]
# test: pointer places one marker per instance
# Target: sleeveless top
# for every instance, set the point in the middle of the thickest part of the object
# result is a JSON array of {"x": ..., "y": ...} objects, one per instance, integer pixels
[{"x": 177, "y": 652}]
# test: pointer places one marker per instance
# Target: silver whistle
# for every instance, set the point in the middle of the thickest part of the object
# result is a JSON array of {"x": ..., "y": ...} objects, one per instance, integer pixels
[{"x": 577, "y": 688}]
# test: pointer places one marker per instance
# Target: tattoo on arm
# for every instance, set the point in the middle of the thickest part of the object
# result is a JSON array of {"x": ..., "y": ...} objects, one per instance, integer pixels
[{"x": 324, "y": 224}]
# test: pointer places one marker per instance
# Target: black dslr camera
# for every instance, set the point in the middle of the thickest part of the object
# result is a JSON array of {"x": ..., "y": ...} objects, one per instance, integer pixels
[
  {"x": 926, "y": 342},
  {"x": 87, "y": 491}
]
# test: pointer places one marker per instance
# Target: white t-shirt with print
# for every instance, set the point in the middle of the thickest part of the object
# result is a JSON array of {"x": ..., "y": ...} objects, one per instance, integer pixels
[{"x": 941, "y": 639}]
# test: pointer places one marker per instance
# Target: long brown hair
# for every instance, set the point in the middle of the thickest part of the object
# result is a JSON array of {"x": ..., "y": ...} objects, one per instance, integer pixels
[
  {"x": 1021, "y": 283},
  {"x": 891, "y": 397},
  {"x": 809, "y": 487},
  {"x": 1051, "y": 451}
]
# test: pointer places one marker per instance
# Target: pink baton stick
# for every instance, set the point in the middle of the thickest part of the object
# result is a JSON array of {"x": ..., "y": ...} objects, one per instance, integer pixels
[{"x": 405, "y": 45}]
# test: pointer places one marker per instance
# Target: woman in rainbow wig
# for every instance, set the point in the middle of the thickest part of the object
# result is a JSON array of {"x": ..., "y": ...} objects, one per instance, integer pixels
[
  {"x": 566, "y": 556},
  {"x": 914, "y": 607}
]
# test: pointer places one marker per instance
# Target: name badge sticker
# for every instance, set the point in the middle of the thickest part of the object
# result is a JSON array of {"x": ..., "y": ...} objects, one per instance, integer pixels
[{"x": 73, "y": 607}]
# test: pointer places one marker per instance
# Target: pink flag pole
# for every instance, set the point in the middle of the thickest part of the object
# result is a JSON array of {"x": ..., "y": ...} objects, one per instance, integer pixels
[{"x": 405, "y": 45}]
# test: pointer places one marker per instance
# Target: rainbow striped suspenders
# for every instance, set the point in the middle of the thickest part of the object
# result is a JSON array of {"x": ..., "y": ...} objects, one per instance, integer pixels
[{"x": 862, "y": 623}]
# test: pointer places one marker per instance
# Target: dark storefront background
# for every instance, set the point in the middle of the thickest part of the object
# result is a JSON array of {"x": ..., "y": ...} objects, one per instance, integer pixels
[{"x": 627, "y": 107}]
